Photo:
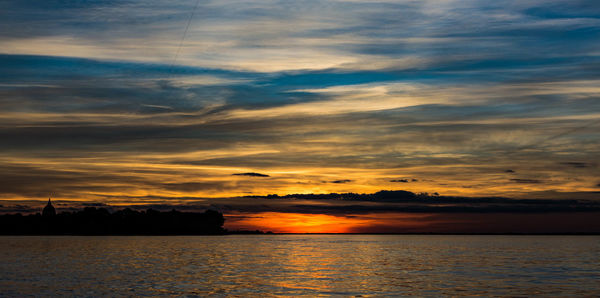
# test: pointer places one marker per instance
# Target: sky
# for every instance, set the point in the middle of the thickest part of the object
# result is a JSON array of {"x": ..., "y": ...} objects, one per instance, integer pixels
[{"x": 136, "y": 103}]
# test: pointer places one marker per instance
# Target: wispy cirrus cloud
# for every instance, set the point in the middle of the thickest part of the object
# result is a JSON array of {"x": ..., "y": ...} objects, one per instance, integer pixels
[{"x": 455, "y": 92}]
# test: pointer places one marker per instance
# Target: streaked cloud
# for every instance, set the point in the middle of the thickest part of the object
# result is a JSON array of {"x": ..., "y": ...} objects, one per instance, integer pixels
[
  {"x": 363, "y": 95},
  {"x": 251, "y": 174}
]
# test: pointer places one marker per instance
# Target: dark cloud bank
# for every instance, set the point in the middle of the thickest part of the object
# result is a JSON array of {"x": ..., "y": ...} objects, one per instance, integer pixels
[
  {"x": 251, "y": 174},
  {"x": 352, "y": 203}
]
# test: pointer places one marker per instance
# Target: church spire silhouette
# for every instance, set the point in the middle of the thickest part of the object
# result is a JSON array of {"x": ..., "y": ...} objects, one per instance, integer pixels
[{"x": 49, "y": 209}]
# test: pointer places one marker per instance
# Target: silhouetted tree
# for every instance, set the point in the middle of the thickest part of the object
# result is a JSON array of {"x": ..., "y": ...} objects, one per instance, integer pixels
[{"x": 94, "y": 221}]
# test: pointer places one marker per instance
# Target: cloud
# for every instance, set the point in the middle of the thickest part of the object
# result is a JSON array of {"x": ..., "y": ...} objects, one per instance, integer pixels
[
  {"x": 341, "y": 181},
  {"x": 251, "y": 174},
  {"x": 195, "y": 186},
  {"x": 576, "y": 164},
  {"x": 399, "y": 180},
  {"x": 527, "y": 181},
  {"x": 94, "y": 204},
  {"x": 446, "y": 91},
  {"x": 350, "y": 203}
]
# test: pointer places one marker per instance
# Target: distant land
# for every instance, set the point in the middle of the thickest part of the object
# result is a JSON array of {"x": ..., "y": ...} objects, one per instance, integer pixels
[
  {"x": 382, "y": 212},
  {"x": 99, "y": 221}
]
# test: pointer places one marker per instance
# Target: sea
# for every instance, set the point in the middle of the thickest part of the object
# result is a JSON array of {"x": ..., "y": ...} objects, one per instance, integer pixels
[{"x": 300, "y": 265}]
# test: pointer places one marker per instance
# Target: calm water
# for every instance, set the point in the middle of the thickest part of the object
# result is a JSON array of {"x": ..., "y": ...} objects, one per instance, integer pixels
[{"x": 301, "y": 265}]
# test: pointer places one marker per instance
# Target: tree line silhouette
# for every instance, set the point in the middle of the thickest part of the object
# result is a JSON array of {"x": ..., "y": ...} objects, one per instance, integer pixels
[{"x": 100, "y": 221}]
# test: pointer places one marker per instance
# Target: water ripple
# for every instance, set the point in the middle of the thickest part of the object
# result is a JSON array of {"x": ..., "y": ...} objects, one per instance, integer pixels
[{"x": 300, "y": 265}]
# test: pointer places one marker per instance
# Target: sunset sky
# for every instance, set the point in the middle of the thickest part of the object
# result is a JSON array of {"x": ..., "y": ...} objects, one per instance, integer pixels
[{"x": 115, "y": 102}]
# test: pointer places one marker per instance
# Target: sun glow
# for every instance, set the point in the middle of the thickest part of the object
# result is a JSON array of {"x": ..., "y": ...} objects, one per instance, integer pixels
[
  {"x": 296, "y": 223},
  {"x": 279, "y": 222}
]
